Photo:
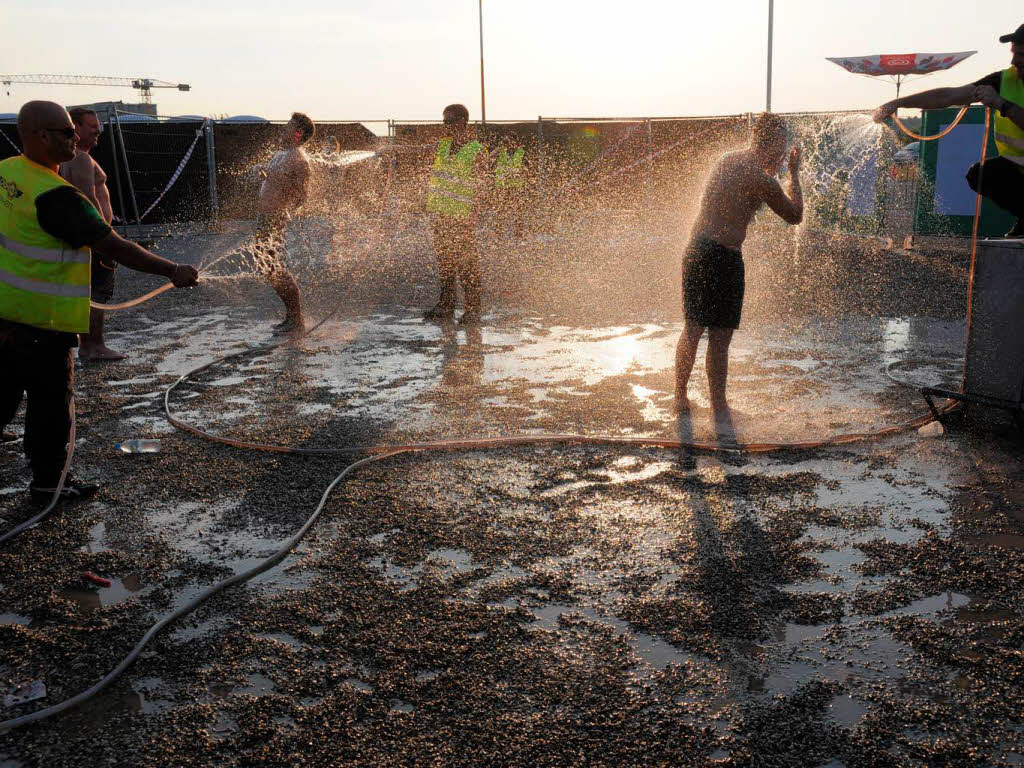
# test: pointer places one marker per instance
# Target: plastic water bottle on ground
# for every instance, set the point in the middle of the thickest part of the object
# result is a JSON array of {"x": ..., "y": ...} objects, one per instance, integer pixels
[
  {"x": 138, "y": 446},
  {"x": 932, "y": 429}
]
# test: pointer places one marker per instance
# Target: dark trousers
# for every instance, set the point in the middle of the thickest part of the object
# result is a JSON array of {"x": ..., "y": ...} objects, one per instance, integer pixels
[
  {"x": 1002, "y": 182},
  {"x": 458, "y": 261},
  {"x": 43, "y": 370}
]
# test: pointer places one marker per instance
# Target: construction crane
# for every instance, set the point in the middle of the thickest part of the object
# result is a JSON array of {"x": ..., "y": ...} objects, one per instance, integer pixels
[{"x": 143, "y": 84}]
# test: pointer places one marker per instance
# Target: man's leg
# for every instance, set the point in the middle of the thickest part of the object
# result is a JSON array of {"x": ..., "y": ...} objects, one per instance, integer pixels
[
  {"x": 445, "y": 252},
  {"x": 271, "y": 264},
  {"x": 717, "y": 362},
  {"x": 469, "y": 273},
  {"x": 48, "y": 416},
  {"x": 91, "y": 345},
  {"x": 1002, "y": 182},
  {"x": 686, "y": 354},
  {"x": 287, "y": 289},
  {"x": 12, "y": 384}
]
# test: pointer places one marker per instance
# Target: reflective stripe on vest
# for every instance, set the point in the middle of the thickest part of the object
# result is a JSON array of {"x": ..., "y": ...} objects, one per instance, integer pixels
[
  {"x": 45, "y": 254},
  {"x": 1010, "y": 136},
  {"x": 43, "y": 281},
  {"x": 508, "y": 173},
  {"x": 452, "y": 187}
]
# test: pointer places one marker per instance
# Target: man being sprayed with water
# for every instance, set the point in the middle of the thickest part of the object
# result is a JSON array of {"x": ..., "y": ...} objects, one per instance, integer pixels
[
  {"x": 284, "y": 189},
  {"x": 1002, "y": 178},
  {"x": 713, "y": 274}
]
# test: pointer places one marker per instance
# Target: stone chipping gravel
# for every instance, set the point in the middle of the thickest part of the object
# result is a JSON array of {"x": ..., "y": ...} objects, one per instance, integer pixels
[{"x": 557, "y": 605}]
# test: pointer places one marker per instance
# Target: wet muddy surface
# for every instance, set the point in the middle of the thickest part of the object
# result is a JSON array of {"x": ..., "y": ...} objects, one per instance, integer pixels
[{"x": 542, "y": 605}]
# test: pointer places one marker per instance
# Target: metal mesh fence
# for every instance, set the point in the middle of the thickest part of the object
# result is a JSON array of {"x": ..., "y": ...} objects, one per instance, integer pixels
[
  {"x": 169, "y": 170},
  {"x": 163, "y": 167}
]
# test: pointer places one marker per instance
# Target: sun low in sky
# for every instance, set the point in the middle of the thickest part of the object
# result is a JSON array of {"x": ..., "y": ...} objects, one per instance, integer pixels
[{"x": 406, "y": 59}]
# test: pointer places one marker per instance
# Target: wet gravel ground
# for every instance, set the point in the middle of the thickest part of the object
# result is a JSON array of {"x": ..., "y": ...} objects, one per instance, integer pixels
[{"x": 559, "y": 605}]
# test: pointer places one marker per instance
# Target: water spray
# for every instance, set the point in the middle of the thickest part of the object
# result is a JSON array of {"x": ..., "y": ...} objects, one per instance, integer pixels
[{"x": 381, "y": 452}]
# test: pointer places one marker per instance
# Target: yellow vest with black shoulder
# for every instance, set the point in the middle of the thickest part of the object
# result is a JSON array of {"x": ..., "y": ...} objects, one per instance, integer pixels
[
  {"x": 453, "y": 186},
  {"x": 1009, "y": 135},
  {"x": 44, "y": 282},
  {"x": 508, "y": 171}
]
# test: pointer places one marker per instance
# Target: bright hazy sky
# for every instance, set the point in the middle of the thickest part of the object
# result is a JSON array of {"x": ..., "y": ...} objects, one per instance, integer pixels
[{"x": 408, "y": 58}]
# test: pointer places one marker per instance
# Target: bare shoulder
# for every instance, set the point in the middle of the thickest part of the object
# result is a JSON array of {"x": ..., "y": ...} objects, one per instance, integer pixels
[
  {"x": 298, "y": 160},
  {"x": 81, "y": 162}
]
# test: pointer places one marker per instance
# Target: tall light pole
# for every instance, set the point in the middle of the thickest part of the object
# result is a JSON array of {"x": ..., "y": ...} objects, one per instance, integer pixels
[
  {"x": 771, "y": 18},
  {"x": 483, "y": 99}
]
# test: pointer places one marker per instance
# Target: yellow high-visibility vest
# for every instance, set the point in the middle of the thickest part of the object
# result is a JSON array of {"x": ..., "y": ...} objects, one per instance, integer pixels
[
  {"x": 1009, "y": 135},
  {"x": 453, "y": 186},
  {"x": 508, "y": 171},
  {"x": 44, "y": 282}
]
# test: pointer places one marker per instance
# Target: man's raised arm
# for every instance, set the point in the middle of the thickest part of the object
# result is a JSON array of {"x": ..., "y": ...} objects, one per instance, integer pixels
[
  {"x": 936, "y": 98},
  {"x": 790, "y": 208}
]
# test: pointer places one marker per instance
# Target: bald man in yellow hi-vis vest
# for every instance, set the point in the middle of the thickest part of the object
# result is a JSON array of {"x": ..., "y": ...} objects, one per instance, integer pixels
[
  {"x": 458, "y": 184},
  {"x": 47, "y": 231},
  {"x": 1002, "y": 178}
]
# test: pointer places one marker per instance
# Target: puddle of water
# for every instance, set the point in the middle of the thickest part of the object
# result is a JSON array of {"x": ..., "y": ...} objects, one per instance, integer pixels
[
  {"x": 92, "y": 600},
  {"x": 397, "y": 705},
  {"x": 359, "y": 685},
  {"x": 846, "y": 710}
]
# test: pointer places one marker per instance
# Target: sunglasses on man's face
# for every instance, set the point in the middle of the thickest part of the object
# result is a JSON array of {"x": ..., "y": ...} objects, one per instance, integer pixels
[{"x": 67, "y": 133}]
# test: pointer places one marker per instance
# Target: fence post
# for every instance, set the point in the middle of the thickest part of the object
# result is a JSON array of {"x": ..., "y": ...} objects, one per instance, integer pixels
[
  {"x": 540, "y": 157},
  {"x": 117, "y": 172},
  {"x": 211, "y": 169},
  {"x": 128, "y": 174},
  {"x": 650, "y": 167}
]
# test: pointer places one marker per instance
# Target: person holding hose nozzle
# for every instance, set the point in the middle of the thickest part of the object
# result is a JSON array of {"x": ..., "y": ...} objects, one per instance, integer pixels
[
  {"x": 47, "y": 231},
  {"x": 1002, "y": 178}
]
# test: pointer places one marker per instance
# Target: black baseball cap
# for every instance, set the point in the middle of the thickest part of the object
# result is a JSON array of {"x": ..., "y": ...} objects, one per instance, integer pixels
[{"x": 1014, "y": 37}]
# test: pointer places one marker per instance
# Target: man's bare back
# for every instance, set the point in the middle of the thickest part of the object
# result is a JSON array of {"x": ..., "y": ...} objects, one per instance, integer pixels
[
  {"x": 85, "y": 174},
  {"x": 284, "y": 188},
  {"x": 736, "y": 189}
]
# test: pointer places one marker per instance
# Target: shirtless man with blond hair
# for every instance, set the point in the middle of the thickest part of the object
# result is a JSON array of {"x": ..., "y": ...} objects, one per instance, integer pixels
[
  {"x": 85, "y": 174},
  {"x": 713, "y": 274},
  {"x": 284, "y": 189}
]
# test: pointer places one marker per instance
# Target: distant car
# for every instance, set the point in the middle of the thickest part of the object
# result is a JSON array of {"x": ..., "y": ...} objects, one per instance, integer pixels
[{"x": 908, "y": 155}]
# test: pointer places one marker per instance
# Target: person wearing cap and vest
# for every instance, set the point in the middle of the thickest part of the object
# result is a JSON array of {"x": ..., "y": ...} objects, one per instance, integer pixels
[
  {"x": 454, "y": 195},
  {"x": 510, "y": 184},
  {"x": 1002, "y": 178},
  {"x": 47, "y": 230}
]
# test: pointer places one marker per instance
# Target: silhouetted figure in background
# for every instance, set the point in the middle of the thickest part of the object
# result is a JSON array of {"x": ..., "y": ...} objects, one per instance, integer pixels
[{"x": 455, "y": 192}]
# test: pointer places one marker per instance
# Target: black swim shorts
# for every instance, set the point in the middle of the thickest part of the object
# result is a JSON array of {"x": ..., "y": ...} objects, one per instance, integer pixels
[
  {"x": 103, "y": 269},
  {"x": 713, "y": 284}
]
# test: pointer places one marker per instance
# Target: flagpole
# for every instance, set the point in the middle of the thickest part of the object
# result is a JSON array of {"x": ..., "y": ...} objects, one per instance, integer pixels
[
  {"x": 771, "y": 21},
  {"x": 483, "y": 100}
]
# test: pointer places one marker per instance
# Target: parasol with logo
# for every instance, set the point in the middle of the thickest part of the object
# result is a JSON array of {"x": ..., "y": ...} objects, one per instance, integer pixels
[{"x": 900, "y": 66}]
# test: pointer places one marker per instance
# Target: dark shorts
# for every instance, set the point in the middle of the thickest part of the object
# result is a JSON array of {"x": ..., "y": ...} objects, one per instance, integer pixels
[
  {"x": 269, "y": 241},
  {"x": 713, "y": 284},
  {"x": 103, "y": 269}
]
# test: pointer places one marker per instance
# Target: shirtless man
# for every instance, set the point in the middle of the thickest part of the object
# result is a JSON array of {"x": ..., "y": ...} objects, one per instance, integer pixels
[
  {"x": 713, "y": 275},
  {"x": 284, "y": 189},
  {"x": 86, "y": 174}
]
